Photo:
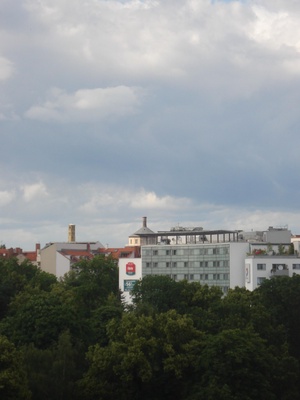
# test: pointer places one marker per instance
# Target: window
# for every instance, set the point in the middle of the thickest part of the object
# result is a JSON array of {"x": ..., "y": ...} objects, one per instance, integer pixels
[
  {"x": 296, "y": 266},
  {"x": 167, "y": 264},
  {"x": 155, "y": 252},
  {"x": 136, "y": 241},
  {"x": 175, "y": 277},
  {"x": 167, "y": 252},
  {"x": 260, "y": 280},
  {"x": 174, "y": 264},
  {"x": 191, "y": 277},
  {"x": 216, "y": 263},
  {"x": 261, "y": 267},
  {"x": 148, "y": 265},
  {"x": 174, "y": 252},
  {"x": 186, "y": 264},
  {"x": 185, "y": 276},
  {"x": 155, "y": 265},
  {"x": 216, "y": 277},
  {"x": 278, "y": 267}
]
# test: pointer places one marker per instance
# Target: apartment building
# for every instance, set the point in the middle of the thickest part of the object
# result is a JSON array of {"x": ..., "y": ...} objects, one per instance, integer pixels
[{"x": 220, "y": 258}]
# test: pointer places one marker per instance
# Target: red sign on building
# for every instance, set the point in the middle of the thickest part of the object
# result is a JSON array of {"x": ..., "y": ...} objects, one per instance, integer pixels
[{"x": 130, "y": 268}]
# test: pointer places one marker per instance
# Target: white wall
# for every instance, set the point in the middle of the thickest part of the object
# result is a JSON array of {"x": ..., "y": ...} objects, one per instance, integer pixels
[
  {"x": 254, "y": 273},
  {"x": 62, "y": 265},
  {"x": 238, "y": 253},
  {"x": 130, "y": 271}
]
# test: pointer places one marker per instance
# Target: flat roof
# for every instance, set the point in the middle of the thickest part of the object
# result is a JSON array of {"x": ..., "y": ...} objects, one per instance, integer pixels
[{"x": 189, "y": 233}]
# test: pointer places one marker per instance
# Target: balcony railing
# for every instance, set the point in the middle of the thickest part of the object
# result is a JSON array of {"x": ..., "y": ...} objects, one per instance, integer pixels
[{"x": 279, "y": 270}]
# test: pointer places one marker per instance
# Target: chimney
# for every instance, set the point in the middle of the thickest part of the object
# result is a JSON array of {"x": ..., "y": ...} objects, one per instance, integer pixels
[
  {"x": 144, "y": 222},
  {"x": 71, "y": 233}
]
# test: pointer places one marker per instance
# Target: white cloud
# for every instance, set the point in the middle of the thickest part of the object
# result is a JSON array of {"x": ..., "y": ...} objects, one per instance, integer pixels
[
  {"x": 229, "y": 49},
  {"x": 6, "y": 197},
  {"x": 150, "y": 200},
  {"x": 87, "y": 104},
  {"x": 121, "y": 198},
  {"x": 6, "y": 69},
  {"x": 34, "y": 191}
]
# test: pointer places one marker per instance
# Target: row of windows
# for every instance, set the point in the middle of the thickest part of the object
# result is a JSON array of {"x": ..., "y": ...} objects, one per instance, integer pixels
[
  {"x": 203, "y": 277},
  {"x": 174, "y": 252},
  {"x": 262, "y": 267},
  {"x": 187, "y": 264}
]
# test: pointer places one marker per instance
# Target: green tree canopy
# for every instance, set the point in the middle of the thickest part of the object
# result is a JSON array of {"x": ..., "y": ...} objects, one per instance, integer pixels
[
  {"x": 92, "y": 281},
  {"x": 148, "y": 357},
  {"x": 13, "y": 379}
]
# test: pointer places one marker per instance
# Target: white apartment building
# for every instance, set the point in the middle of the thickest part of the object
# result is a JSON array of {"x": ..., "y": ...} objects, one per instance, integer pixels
[
  {"x": 217, "y": 258},
  {"x": 213, "y": 264},
  {"x": 261, "y": 267},
  {"x": 57, "y": 258}
]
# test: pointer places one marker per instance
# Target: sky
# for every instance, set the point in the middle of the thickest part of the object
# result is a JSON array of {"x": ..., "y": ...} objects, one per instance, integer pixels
[{"x": 184, "y": 111}]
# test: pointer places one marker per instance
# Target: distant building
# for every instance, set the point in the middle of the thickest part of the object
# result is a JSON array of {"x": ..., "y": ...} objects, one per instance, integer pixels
[
  {"x": 220, "y": 258},
  {"x": 142, "y": 236},
  {"x": 57, "y": 258},
  {"x": 33, "y": 256}
]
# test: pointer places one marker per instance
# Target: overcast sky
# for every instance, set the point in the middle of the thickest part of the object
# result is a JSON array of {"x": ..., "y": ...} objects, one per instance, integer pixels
[{"x": 184, "y": 111}]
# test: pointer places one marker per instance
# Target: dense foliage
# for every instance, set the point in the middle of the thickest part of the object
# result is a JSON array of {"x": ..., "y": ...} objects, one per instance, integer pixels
[{"x": 75, "y": 339}]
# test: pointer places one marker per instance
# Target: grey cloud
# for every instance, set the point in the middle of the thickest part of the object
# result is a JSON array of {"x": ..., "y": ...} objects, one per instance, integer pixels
[{"x": 184, "y": 110}]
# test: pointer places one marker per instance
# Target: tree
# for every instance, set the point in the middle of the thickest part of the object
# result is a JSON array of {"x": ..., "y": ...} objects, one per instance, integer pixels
[
  {"x": 92, "y": 281},
  {"x": 281, "y": 297},
  {"x": 148, "y": 357},
  {"x": 160, "y": 292},
  {"x": 52, "y": 372},
  {"x": 13, "y": 380},
  {"x": 237, "y": 364},
  {"x": 15, "y": 277},
  {"x": 38, "y": 317}
]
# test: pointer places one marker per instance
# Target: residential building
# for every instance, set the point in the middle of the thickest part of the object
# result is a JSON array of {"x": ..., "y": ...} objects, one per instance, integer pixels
[
  {"x": 276, "y": 256},
  {"x": 33, "y": 255},
  {"x": 57, "y": 258},
  {"x": 220, "y": 258}
]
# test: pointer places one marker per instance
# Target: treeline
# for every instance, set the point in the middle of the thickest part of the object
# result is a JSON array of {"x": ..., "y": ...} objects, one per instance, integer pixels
[{"x": 75, "y": 339}]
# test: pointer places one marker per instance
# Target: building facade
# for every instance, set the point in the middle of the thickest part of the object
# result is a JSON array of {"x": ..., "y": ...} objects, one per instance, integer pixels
[
  {"x": 213, "y": 264},
  {"x": 57, "y": 258},
  {"x": 222, "y": 258},
  {"x": 261, "y": 267}
]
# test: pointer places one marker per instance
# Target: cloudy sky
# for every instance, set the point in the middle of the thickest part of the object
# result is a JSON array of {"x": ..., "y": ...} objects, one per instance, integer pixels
[{"x": 184, "y": 111}]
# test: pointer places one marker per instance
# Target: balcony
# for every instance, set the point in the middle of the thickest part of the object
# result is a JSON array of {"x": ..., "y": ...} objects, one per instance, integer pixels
[{"x": 279, "y": 270}]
